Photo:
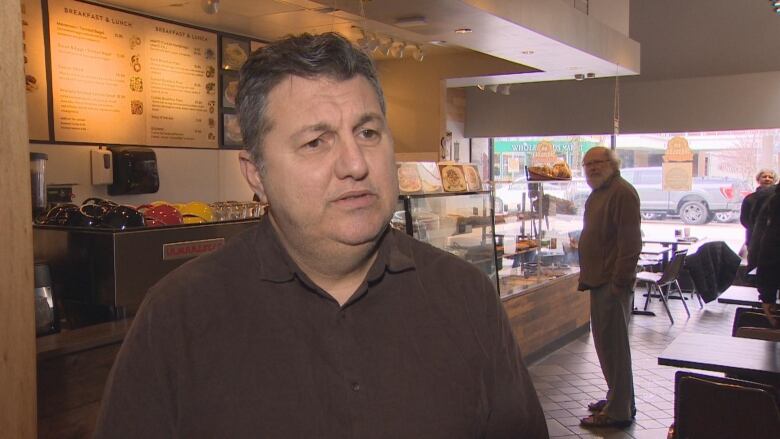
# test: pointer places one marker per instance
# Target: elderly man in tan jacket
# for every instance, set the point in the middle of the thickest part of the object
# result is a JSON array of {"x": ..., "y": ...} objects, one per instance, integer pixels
[{"x": 609, "y": 249}]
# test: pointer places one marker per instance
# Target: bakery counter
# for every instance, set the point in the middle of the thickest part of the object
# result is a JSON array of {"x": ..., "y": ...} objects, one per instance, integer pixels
[
  {"x": 546, "y": 316},
  {"x": 73, "y": 367}
]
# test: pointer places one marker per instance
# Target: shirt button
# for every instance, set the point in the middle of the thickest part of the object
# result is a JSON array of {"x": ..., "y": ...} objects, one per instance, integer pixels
[{"x": 355, "y": 387}]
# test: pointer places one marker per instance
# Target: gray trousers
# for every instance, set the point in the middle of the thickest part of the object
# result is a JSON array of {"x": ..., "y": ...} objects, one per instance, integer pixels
[{"x": 609, "y": 317}]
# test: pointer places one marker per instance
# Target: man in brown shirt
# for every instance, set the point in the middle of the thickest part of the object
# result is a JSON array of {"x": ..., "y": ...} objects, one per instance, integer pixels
[
  {"x": 322, "y": 322},
  {"x": 609, "y": 248}
]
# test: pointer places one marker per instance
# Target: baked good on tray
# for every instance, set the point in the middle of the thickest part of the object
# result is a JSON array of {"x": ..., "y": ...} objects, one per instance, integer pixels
[{"x": 452, "y": 178}]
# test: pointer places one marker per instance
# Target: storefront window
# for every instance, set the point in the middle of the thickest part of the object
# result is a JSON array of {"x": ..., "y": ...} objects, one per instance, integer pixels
[{"x": 721, "y": 169}]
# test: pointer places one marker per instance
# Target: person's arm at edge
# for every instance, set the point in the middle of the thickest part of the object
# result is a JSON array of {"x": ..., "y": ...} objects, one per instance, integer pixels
[
  {"x": 629, "y": 242},
  {"x": 744, "y": 212},
  {"x": 515, "y": 410}
]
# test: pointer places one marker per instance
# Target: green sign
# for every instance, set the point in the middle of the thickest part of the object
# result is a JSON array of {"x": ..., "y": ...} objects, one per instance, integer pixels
[{"x": 560, "y": 146}]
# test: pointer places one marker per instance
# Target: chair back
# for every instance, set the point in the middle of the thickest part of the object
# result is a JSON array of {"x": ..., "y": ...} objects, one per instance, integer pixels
[
  {"x": 672, "y": 269},
  {"x": 749, "y": 317},
  {"x": 714, "y": 407}
]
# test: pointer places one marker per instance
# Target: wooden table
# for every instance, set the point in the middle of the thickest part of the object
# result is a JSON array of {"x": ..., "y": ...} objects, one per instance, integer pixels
[
  {"x": 736, "y": 295},
  {"x": 721, "y": 353}
]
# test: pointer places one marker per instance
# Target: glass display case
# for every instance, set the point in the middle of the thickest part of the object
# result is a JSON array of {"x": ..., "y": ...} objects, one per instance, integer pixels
[
  {"x": 459, "y": 223},
  {"x": 538, "y": 232}
]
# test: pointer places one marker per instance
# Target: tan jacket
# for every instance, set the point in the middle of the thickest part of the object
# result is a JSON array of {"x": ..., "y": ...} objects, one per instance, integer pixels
[{"x": 611, "y": 238}]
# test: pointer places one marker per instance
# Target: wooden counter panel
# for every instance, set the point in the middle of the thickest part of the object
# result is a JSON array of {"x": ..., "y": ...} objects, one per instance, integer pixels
[
  {"x": 548, "y": 314},
  {"x": 73, "y": 367}
]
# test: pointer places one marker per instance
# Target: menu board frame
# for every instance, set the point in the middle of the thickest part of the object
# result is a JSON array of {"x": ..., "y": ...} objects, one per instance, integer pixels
[{"x": 249, "y": 42}]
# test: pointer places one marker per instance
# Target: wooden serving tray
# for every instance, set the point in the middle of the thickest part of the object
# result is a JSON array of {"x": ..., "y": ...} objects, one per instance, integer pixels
[{"x": 533, "y": 176}]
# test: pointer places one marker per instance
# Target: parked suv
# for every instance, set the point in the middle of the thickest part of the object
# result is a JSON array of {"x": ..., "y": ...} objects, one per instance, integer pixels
[{"x": 708, "y": 197}]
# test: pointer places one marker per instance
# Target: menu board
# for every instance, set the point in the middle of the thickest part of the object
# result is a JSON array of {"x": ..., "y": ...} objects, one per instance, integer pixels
[
  {"x": 35, "y": 70},
  {"x": 124, "y": 79}
]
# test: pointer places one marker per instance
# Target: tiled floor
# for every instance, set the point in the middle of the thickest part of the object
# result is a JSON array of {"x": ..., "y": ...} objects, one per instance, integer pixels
[{"x": 570, "y": 378}]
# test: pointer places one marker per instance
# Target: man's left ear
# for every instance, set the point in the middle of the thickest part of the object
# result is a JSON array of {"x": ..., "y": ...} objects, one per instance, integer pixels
[{"x": 252, "y": 175}]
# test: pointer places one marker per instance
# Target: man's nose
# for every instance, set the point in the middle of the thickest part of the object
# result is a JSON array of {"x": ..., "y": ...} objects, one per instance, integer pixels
[{"x": 351, "y": 160}]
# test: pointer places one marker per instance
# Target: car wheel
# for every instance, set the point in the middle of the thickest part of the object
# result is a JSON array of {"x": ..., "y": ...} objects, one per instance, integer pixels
[
  {"x": 694, "y": 212},
  {"x": 724, "y": 217}
]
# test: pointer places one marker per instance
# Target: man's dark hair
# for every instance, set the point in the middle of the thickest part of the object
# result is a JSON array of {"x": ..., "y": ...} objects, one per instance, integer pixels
[{"x": 307, "y": 56}]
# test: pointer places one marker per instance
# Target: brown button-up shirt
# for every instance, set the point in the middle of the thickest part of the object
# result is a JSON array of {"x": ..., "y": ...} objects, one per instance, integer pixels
[{"x": 240, "y": 343}]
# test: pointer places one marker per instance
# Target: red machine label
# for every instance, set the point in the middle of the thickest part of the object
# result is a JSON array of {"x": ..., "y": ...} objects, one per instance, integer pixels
[{"x": 190, "y": 249}]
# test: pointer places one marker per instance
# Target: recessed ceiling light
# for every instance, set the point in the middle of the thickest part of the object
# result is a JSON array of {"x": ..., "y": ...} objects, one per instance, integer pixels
[{"x": 463, "y": 30}]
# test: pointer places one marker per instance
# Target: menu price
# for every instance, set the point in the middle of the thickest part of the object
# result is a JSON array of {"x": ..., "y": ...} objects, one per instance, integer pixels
[{"x": 120, "y": 78}]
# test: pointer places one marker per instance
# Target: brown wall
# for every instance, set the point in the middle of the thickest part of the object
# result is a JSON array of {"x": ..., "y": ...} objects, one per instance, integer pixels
[
  {"x": 17, "y": 336},
  {"x": 416, "y": 94}
]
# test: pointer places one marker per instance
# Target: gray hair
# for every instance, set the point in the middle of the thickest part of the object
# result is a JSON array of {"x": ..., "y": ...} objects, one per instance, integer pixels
[
  {"x": 306, "y": 56},
  {"x": 766, "y": 171},
  {"x": 612, "y": 156}
]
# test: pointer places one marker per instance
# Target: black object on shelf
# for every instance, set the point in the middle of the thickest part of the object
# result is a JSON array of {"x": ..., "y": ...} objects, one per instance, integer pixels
[{"x": 135, "y": 171}]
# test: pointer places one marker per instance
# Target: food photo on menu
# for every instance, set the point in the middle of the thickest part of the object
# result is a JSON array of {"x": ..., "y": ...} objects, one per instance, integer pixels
[
  {"x": 234, "y": 53},
  {"x": 229, "y": 90},
  {"x": 231, "y": 130}
]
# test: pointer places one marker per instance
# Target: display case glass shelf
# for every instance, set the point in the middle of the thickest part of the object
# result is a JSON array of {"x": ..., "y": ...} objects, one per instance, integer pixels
[
  {"x": 538, "y": 231},
  {"x": 459, "y": 223}
]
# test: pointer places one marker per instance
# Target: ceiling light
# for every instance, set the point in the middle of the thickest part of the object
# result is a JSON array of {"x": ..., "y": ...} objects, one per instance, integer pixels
[
  {"x": 210, "y": 6},
  {"x": 384, "y": 48},
  {"x": 418, "y": 54},
  {"x": 411, "y": 21},
  {"x": 398, "y": 50},
  {"x": 463, "y": 30},
  {"x": 579, "y": 77}
]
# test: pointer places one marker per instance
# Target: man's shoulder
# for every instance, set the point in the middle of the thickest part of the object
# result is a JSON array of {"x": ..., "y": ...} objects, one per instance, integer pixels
[{"x": 210, "y": 274}]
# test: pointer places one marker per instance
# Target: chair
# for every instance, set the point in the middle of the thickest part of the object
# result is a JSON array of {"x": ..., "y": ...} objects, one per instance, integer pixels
[
  {"x": 752, "y": 323},
  {"x": 714, "y": 407},
  {"x": 663, "y": 282}
]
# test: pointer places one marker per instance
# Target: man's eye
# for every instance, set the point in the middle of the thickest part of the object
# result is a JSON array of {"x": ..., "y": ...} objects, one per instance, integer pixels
[
  {"x": 314, "y": 143},
  {"x": 369, "y": 134}
]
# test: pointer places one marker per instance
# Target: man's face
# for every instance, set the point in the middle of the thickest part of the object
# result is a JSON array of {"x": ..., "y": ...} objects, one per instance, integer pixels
[
  {"x": 329, "y": 166},
  {"x": 766, "y": 179},
  {"x": 598, "y": 168}
]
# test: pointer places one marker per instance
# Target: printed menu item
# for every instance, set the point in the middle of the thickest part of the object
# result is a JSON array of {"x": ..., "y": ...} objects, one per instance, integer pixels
[
  {"x": 452, "y": 177},
  {"x": 35, "y": 70},
  {"x": 125, "y": 79}
]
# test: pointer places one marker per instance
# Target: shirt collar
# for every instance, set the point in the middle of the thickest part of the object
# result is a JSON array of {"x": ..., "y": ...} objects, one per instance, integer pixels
[{"x": 276, "y": 265}]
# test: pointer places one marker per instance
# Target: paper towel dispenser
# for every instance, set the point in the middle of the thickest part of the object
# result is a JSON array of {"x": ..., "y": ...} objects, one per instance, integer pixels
[{"x": 135, "y": 171}]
